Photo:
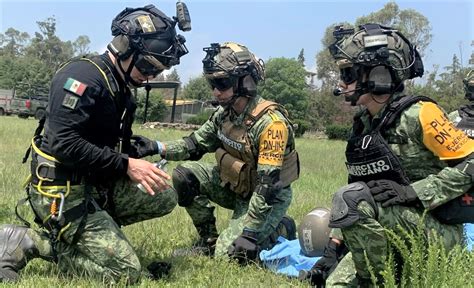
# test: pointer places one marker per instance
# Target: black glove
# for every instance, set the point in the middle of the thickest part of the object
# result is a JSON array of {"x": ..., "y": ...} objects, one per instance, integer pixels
[
  {"x": 318, "y": 274},
  {"x": 244, "y": 248},
  {"x": 142, "y": 146},
  {"x": 158, "y": 270},
  {"x": 390, "y": 193}
]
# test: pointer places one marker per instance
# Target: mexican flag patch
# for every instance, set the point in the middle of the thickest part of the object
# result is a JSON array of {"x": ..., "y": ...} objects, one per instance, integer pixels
[{"x": 75, "y": 86}]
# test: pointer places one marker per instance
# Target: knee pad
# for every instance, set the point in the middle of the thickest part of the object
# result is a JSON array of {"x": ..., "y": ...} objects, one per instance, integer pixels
[
  {"x": 186, "y": 185},
  {"x": 344, "y": 211}
]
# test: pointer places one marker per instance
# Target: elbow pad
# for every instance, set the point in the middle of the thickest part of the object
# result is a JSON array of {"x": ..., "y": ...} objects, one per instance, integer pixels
[{"x": 193, "y": 149}]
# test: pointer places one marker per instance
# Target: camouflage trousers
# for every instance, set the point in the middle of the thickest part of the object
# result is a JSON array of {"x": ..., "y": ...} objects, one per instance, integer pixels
[
  {"x": 201, "y": 210},
  {"x": 102, "y": 250},
  {"x": 367, "y": 237}
]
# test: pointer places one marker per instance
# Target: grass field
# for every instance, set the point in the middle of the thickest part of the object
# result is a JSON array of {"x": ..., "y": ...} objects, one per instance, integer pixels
[{"x": 322, "y": 166}]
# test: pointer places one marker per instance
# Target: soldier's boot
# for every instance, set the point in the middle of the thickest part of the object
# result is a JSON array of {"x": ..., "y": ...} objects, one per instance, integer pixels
[
  {"x": 286, "y": 228},
  {"x": 205, "y": 245},
  {"x": 16, "y": 249}
]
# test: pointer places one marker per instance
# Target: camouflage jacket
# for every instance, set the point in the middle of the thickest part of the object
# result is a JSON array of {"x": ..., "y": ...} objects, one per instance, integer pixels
[
  {"x": 425, "y": 140},
  {"x": 208, "y": 139}
]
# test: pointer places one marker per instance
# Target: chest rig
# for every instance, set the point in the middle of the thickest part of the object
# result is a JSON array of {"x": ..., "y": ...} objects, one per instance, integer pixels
[
  {"x": 237, "y": 159},
  {"x": 368, "y": 155}
]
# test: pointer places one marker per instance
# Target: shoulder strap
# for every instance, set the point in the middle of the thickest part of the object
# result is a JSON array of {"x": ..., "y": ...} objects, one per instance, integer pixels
[
  {"x": 261, "y": 109},
  {"x": 107, "y": 74},
  {"x": 398, "y": 106}
]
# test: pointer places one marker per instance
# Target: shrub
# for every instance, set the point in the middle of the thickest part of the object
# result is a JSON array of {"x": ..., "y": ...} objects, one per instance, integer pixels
[
  {"x": 301, "y": 127},
  {"x": 199, "y": 118},
  {"x": 338, "y": 131}
]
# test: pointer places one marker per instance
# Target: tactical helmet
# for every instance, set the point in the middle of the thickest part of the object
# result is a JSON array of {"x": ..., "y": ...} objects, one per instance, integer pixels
[
  {"x": 313, "y": 232},
  {"x": 150, "y": 36},
  {"x": 227, "y": 65},
  {"x": 469, "y": 85}
]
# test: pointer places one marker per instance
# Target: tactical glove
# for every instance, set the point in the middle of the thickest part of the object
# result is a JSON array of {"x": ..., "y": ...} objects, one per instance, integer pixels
[
  {"x": 321, "y": 270},
  {"x": 244, "y": 249},
  {"x": 390, "y": 193},
  {"x": 142, "y": 146}
]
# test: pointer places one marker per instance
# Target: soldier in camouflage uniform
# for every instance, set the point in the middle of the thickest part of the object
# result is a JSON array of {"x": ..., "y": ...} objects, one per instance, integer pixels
[
  {"x": 254, "y": 147},
  {"x": 403, "y": 156},
  {"x": 85, "y": 167},
  {"x": 463, "y": 118}
]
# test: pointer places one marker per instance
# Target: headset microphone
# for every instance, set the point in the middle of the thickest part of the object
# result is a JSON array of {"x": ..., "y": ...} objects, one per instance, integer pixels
[{"x": 338, "y": 91}]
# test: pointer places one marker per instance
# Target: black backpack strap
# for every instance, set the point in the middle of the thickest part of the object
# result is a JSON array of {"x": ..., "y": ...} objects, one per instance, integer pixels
[{"x": 397, "y": 107}]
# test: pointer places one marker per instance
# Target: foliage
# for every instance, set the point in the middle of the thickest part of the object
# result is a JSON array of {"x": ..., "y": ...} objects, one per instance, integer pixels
[
  {"x": 301, "y": 57},
  {"x": 338, "y": 131},
  {"x": 156, "y": 106},
  {"x": 200, "y": 118},
  {"x": 301, "y": 127},
  {"x": 197, "y": 88},
  {"x": 285, "y": 84}
]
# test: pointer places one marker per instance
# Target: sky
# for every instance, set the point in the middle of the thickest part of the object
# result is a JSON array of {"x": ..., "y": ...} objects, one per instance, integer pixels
[{"x": 269, "y": 29}]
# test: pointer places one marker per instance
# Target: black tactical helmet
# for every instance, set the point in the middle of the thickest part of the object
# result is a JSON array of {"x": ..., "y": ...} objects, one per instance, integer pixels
[
  {"x": 469, "y": 86},
  {"x": 228, "y": 65},
  {"x": 313, "y": 232},
  {"x": 150, "y": 36}
]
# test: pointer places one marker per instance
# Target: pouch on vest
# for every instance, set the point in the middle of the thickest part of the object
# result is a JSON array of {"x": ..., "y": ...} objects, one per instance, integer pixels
[
  {"x": 291, "y": 168},
  {"x": 457, "y": 211},
  {"x": 234, "y": 172}
]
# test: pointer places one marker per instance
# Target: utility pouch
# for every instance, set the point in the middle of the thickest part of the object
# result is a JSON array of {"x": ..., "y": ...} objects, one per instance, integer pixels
[
  {"x": 291, "y": 168},
  {"x": 457, "y": 211},
  {"x": 234, "y": 172}
]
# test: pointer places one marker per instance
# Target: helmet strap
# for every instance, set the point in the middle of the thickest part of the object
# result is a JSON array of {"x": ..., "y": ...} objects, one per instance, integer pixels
[{"x": 127, "y": 74}]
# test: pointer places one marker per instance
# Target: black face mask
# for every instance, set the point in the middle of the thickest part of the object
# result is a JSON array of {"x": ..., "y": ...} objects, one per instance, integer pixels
[
  {"x": 146, "y": 68},
  {"x": 221, "y": 84}
]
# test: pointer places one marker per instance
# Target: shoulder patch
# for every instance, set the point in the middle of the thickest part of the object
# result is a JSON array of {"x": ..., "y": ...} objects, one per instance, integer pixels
[
  {"x": 70, "y": 101},
  {"x": 272, "y": 144},
  {"x": 441, "y": 136},
  {"x": 75, "y": 86}
]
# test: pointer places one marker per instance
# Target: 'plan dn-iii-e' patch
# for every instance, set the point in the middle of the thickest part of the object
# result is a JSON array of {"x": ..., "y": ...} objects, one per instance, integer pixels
[
  {"x": 70, "y": 101},
  {"x": 75, "y": 86},
  {"x": 273, "y": 143},
  {"x": 441, "y": 136}
]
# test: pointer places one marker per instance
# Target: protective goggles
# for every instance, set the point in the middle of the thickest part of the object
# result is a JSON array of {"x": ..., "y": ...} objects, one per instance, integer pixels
[
  {"x": 149, "y": 65},
  {"x": 350, "y": 74},
  {"x": 221, "y": 84}
]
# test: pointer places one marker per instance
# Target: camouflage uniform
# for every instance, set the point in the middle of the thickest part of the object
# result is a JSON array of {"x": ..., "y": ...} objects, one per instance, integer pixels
[
  {"x": 434, "y": 182},
  {"x": 250, "y": 212}
]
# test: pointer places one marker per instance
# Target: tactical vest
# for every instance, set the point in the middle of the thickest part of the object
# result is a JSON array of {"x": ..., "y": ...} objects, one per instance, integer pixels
[
  {"x": 368, "y": 155},
  {"x": 466, "y": 113},
  {"x": 236, "y": 159}
]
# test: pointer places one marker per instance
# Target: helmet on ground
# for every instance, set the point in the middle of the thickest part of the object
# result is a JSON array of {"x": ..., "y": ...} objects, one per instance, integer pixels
[
  {"x": 469, "y": 85},
  {"x": 233, "y": 65},
  {"x": 383, "y": 53},
  {"x": 313, "y": 232},
  {"x": 149, "y": 36}
]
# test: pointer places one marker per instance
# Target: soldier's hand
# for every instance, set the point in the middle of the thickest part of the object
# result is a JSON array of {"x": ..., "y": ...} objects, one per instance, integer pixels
[
  {"x": 147, "y": 174},
  {"x": 142, "y": 146},
  {"x": 244, "y": 249},
  {"x": 390, "y": 193}
]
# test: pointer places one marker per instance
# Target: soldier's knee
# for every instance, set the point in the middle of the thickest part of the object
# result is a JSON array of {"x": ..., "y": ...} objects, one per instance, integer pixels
[
  {"x": 186, "y": 185},
  {"x": 170, "y": 202},
  {"x": 345, "y": 202},
  {"x": 131, "y": 271}
]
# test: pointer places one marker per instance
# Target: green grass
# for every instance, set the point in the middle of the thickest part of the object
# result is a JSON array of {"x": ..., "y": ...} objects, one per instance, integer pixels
[{"x": 322, "y": 173}]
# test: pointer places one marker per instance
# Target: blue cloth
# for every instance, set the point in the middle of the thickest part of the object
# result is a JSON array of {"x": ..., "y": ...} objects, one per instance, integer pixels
[
  {"x": 469, "y": 232},
  {"x": 286, "y": 258}
]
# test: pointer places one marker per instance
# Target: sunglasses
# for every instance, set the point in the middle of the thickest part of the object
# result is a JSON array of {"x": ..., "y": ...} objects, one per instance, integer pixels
[
  {"x": 349, "y": 74},
  {"x": 221, "y": 84}
]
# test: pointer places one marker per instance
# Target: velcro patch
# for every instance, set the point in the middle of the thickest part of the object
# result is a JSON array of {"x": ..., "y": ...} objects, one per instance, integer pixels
[
  {"x": 375, "y": 40},
  {"x": 441, "y": 136},
  {"x": 75, "y": 86},
  {"x": 273, "y": 143},
  {"x": 70, "y": 101},
  {"x": 146, "y": 24}
]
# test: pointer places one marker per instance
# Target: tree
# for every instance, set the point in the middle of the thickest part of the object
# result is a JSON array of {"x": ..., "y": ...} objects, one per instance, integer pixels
[
  {"x": 301, "y": 57},
  {"x": 285, "y": 84},
  {"x": 13, "y": 42},
  {"x": 156, "y": 106},
  {"x": 173, "y": 76},
  {"x": 81, "y": 45},
  {"x": 197, "y": 88}
]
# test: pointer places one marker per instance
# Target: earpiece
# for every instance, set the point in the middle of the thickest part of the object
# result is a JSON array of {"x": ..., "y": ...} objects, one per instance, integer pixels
[{"x": 380, "y": 81}]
